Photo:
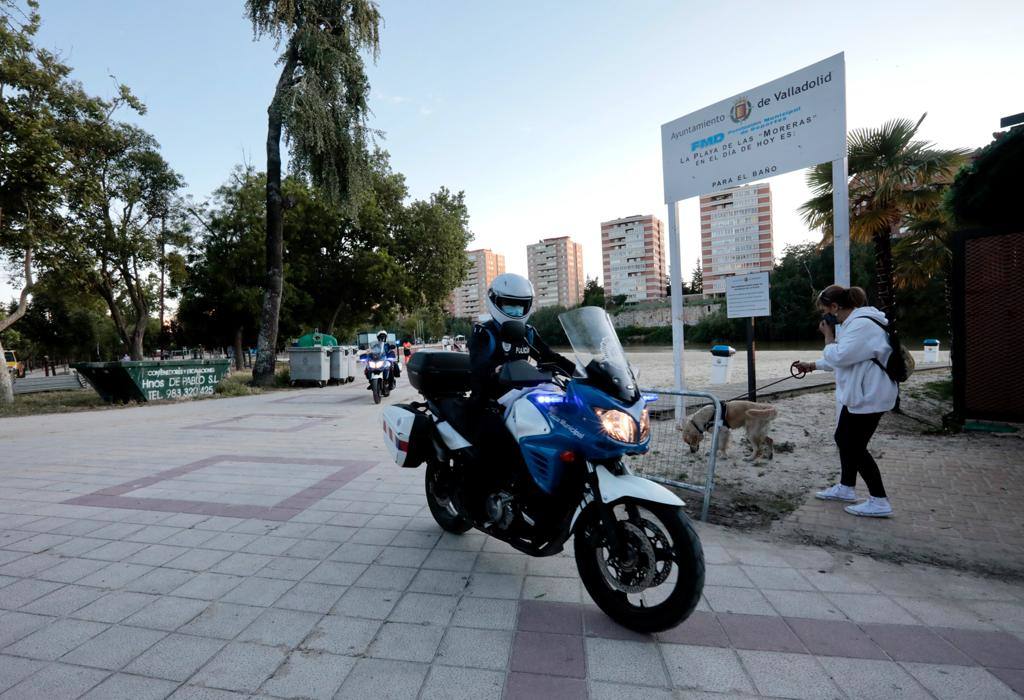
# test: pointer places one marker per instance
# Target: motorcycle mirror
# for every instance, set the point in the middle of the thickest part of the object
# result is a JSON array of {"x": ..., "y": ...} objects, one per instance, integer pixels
[{"x": 513, "y": 332}]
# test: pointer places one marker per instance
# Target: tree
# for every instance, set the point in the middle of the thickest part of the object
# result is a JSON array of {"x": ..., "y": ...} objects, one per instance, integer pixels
[
  {"x": 697, "y": 280},
  {"x": 893, "y": 176},
  {"x": 988, "y": 191},
  {"x": 593, "y": 293},
  {"x": 39, "y": 107},
  {"x": 122, "y": 192},
  {"x": 320, "y": 105}
]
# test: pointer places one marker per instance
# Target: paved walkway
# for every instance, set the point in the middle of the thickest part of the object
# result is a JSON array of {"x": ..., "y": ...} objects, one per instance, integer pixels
[{"x": 263, "y": 547}]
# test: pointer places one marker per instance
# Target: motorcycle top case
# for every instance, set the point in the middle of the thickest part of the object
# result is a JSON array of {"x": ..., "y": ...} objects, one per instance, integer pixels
[
  {"x": 407, "y": 435},
  {"x": 434, "y": 373}
]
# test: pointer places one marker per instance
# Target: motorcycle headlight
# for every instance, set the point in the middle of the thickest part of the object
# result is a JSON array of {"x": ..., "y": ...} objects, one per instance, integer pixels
[
  {"x": 645, "y": 425},
  {"x": 617, "y": 424},
  {"x": 376, "y": 364}
]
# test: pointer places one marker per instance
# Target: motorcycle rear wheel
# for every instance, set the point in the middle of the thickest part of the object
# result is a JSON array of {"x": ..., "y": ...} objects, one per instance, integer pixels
[
  {"x": 437, "y": 487},
  {"x": 595, "y": 565}
]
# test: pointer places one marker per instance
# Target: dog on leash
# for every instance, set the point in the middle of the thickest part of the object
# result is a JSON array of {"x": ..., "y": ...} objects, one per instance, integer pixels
[{"x": 754, "y": 417}]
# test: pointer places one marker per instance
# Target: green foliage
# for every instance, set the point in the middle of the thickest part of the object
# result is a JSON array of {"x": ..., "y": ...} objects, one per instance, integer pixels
[
  {"x": 697, "y": 280},
  {"x": 546, "y": 322},
  {"x": 593, "y": 293},
  {"x": 987, "y": 192}
]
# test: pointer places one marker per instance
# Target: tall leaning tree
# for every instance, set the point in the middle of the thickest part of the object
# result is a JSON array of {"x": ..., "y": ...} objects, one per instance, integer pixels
[
  {"x": 320, "y": 106},
  {"x": 894, "y": 178}
]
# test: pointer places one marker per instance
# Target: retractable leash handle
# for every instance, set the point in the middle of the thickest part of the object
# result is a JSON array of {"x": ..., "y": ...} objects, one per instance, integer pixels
[{"x": 793, "y": 372}]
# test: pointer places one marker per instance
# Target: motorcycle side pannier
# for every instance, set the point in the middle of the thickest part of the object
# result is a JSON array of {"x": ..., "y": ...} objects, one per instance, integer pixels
[
  {"x": 434, "y": 373},
  {"x": 407, "y": 435}
]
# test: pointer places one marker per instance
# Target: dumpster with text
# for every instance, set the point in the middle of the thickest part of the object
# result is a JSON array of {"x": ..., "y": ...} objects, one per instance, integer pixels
[{"x": 153, "y": 381}]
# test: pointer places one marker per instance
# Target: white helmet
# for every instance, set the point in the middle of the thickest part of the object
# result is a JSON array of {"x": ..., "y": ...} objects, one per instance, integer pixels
[
  {"x": 382, "y": 333},
  {"x": 510, "y": 298}
]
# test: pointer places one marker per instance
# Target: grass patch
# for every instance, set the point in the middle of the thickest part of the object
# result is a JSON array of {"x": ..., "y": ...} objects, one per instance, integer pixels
[
  {"x": 53, "y": 402},
  {"x": 237, "y": 384},
  {"x": 941, "y": 389}
]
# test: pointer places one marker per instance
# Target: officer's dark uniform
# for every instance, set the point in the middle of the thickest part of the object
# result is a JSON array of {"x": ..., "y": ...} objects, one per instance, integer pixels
[{"x": 487, "y": 352}]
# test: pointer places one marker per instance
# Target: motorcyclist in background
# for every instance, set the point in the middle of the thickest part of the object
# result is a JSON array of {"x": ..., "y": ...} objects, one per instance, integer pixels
[{"x": 386, "y": 349}]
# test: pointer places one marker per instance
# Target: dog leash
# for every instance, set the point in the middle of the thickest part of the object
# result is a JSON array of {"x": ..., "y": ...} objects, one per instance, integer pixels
[{"x": 794, "y": 373}]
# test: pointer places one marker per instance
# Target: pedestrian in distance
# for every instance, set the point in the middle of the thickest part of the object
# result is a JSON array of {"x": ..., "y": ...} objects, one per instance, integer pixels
[{"x": 856, "y": 349}]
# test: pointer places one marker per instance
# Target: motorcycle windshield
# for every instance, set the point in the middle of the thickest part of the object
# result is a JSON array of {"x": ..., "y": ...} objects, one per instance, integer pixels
[{"x": 598, "y": 352}]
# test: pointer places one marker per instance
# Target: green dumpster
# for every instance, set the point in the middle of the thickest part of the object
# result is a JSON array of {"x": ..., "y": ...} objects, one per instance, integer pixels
[
  {"x": 152, "y": 380},
  {"x": 311, "y": 340}
]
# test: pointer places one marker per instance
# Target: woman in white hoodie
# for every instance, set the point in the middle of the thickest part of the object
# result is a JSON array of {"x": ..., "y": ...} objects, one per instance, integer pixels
[{"x": 856, "y": 349}]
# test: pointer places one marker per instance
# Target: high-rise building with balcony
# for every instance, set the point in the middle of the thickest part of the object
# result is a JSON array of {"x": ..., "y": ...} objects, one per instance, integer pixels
[
  {"x": 633, "y": 249},
  {"x": 735, "y": 234},
  {"x": 470, "y": 299},
  {"x": 556, "y": 271}
]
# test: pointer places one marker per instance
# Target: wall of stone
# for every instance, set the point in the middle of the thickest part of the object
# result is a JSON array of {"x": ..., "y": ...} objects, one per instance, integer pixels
[{"x": 662, "y": 315}]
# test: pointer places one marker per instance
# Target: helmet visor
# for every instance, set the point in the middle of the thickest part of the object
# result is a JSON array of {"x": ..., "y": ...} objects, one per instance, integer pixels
[{"x": 513, "y": 307}]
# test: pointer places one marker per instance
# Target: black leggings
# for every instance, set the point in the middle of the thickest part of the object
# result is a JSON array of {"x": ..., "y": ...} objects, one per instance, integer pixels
[{"x": 852, "y": 436}]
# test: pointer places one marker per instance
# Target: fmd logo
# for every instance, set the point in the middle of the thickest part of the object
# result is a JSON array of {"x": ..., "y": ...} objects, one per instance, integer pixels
[{"x": 709, "y": 141}]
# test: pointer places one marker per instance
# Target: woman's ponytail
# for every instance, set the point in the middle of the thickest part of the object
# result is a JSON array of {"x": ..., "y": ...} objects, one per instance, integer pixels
[{"x": 846, "y": 298}]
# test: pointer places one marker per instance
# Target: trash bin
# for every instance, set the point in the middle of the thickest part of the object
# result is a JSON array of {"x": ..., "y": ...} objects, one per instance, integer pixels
[
  {"x": 309, "y": 365},
  {"x": 721, "y": 363},
  {"x": 931, "y": 351},
  {"x": 338, "y": 368},
  {"x": 153, "y": 381},
  {"x": 311, "y": 340}
]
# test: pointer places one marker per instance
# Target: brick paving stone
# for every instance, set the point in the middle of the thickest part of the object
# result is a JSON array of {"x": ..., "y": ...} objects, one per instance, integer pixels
[
  {"x": 159, "y": 581},
  {"x": 15, "y": 625},
  {"x": 956, "y": 682},
  {"x": 222, "y": 620},
  {"x": 374, "y": 603},
  {"x": 71, "y": 570},
  {"x": 1013, "y": 678},
  {"x": 873, "y": 679},
  {"x": 114, "y": 607},
  {"x": 309, "y": 675},
  {"x": 386, "y": 679},
  {"x": 124, "y": 687},
  {"x": 288, "y": 568},
  {"x": 550, "y": 654},
  {"x": 407, "y": 642},
  {"x": 240, "y": 667},
  {"x": 862, "y": 607},
  {"x": 724, "y": 599},
  {"x": 475, "y": 648},
  {"x": 424, "y": 608},
  {"x": 835, "y": 638},
  {"x": 57, "y": 682},
  {"x": 526, "y": 686},
  {"x": 994, "y": 649},
  {"x": 114, "y": 648},
  {"x": 700, "y": 629},
  {"x": 346, "y": 636},
  {"x": 64, "y": 601},
  {"x": 13, "y": 670},
  {"x": 788, "y": 675},
  {"x": 310, "y": 597},
  {"x": 176, "y": 657},
  {"x": 23, "y": 592},
  {"x": 553, "y": 618},
  {"x": 706, "y": 668},
  {"x": 241, "y": 564},
  {"x": 280, "y": 628},
  {"x": 207, "y": 585},
  {"x": 625, "y": 662},
  {"x": 454, "y": 683},
  {"x": 486, "y": 613},
  {"x": 167, "y": 613},
  {"x": 56, "y": 639},
  {"x": 548, "y": 588},
  {"x": 760, "y": 632},
  {"x": 915, "y": 643}
]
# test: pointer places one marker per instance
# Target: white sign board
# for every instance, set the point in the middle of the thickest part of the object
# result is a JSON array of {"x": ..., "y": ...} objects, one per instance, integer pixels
[
  {"x": 747, "y": 296},
  {"x": 787, "y": 124}
]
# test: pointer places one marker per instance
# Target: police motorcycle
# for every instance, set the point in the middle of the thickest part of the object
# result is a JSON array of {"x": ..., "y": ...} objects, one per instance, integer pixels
[
  {"x": 635, "y": 549},
  {"x": 380, "y": 370}
]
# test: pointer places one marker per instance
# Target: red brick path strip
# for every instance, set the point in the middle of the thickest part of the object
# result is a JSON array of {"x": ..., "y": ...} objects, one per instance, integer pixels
[
  {"x": 547, "y": 655},
  {"x": 286, "y": 509}
]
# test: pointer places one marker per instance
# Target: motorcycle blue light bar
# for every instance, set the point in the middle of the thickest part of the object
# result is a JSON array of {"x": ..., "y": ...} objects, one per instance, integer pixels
[
  {"x": 548, "y": 398},
  {"x": 650, "y": 398}
]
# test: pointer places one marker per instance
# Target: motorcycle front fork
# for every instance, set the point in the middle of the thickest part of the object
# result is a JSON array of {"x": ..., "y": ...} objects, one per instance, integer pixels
[{"x": 606, "y": 524}]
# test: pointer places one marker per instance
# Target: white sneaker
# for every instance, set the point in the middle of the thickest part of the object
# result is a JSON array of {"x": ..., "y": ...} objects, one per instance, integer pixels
[
  {"x": 837, "y": 493},
  {"x": 871, "y": 508}
]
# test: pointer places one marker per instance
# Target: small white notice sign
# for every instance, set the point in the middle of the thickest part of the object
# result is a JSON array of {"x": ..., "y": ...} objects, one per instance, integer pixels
[{"x": 747, "y": 296}]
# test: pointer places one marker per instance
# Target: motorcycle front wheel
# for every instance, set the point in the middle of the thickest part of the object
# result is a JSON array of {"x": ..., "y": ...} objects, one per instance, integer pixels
[
  {"x": 654, "y": 579},
  {"x": 375, "y": 387}
]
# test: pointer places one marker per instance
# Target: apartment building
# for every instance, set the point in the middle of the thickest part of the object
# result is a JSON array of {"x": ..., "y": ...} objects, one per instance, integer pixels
[
  {"x": 633, "y": 250},
  {"x": 735, "y": 234},
  {"x": 470, "y": 299},
  {"x": 556, "y": 271}
]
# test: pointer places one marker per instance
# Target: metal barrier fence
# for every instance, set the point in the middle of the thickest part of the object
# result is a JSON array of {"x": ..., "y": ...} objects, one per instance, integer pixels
[{"x": 665, "y": 459}]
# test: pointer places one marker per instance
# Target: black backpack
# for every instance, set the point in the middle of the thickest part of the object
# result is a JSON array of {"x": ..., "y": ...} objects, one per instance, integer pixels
[{"x": 901, "y": 363}]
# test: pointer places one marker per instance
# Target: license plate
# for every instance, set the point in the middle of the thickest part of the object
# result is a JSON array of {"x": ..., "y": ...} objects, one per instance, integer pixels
[{"x": 376, "y": 375}]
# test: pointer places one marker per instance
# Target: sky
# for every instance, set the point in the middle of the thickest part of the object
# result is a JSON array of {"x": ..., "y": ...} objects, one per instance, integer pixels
[{"x": 548, "y": 115}]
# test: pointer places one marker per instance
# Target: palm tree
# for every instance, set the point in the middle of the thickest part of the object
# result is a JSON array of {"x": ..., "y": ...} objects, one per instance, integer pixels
[{"x": 895, "y": 179}]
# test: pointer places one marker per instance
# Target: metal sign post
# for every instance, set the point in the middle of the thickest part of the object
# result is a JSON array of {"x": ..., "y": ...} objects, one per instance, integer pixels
[{"x": 676, "y": 280}]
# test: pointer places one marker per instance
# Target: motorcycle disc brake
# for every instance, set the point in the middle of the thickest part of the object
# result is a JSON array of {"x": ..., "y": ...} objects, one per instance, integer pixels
[{"x": 636, "y": 576}]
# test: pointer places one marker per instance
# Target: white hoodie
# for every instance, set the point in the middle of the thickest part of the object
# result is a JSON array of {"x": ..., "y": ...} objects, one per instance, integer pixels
[{"x": 861, "y": 385}]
